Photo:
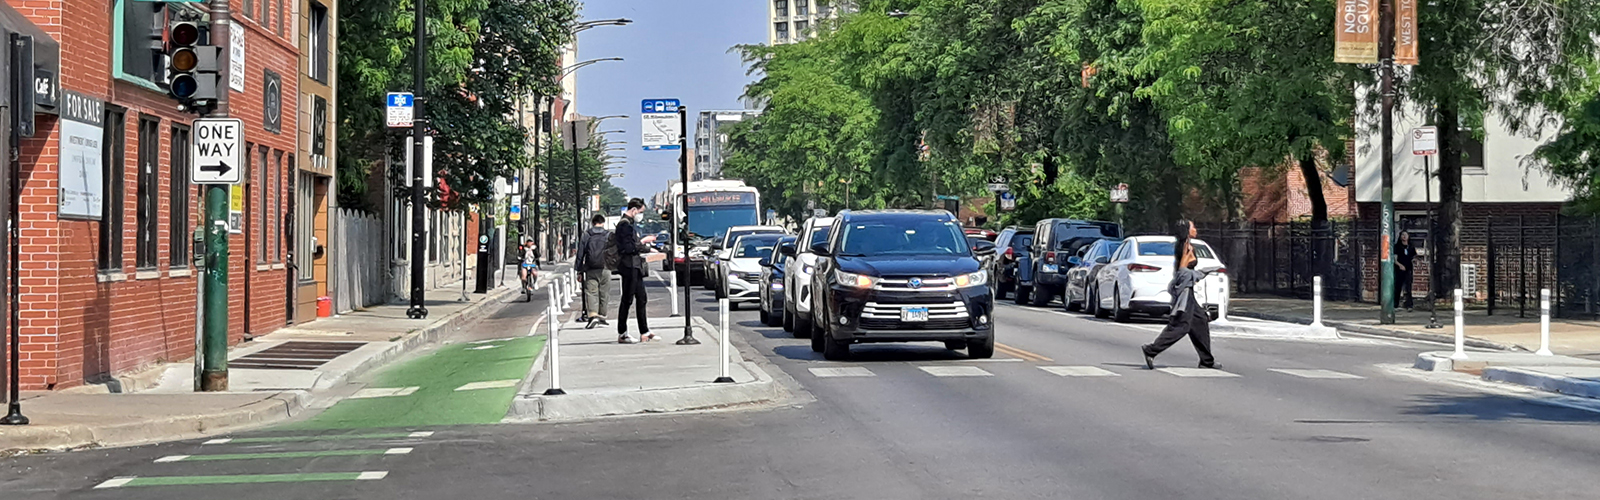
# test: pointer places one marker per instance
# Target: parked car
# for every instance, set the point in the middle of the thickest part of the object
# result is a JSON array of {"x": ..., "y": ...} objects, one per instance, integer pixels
[
  {"x": 980, "y": 232},
  {"x": 721, "y": 250},
  {"x": 742, "y": 283},
  {"x": 1135, "y": 280},
  {"x": 899, "y": 276},
  {"x": 982, "y": 249},
  {"x": 1089, "y": 261},
  {"x": 1054, "y": 240},
  {"x": 797, "y": 287},
  {"x": 772, "y": 277},
  {"x": 1012, "y": 244}
]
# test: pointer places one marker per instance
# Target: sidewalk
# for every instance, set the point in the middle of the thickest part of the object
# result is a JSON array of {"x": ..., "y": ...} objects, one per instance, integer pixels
[
  {"x": 604, "y": 378},
  {"x": 271, "y": 378},
  {"x": 1502, "y": 331},
  {"x": 1559, "y": 374}
]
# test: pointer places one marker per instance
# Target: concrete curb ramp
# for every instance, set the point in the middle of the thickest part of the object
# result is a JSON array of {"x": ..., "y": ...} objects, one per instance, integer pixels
[
  {"x": 273, "y": 408},
  {"x": 1252, "y": 328},
  {"x": 1559, "y": 374}
]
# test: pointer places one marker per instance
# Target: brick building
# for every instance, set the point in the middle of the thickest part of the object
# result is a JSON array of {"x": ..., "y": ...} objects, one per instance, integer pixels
[{"x": 107, "y": 211}]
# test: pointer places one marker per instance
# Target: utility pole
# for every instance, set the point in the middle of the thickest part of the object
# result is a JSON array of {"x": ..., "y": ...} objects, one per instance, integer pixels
[
  {"x": 539, "y": 119},
  {"x": 214, "y": 284},
  {"x": 683, "y": 172},
  {"x": 1386, "y": 224},
  {"x": 418, "y": 310},
  {"x": 577, "y": 207},
  {"x": 13, "y": 208}
]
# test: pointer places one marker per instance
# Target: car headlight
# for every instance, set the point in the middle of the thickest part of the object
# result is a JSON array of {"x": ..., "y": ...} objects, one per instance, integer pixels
[
  {"x": 777, "y": 285},
  {"x": 855, "y": 280},
  {"x": 808, "y": 268},
  {"x": 979, "y": 278}
]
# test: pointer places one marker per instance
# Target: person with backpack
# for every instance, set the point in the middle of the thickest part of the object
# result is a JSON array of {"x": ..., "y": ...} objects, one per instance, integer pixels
[
  {"x": 596, "y": 261},
  {"x": 630, "y": 250}
]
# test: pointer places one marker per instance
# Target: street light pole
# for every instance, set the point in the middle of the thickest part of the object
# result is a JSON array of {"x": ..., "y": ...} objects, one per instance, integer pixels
[
  {"x": 1386, "y": 224},
  {"x": 683, "y": 172},
  {"x": 418, "y": 310}
]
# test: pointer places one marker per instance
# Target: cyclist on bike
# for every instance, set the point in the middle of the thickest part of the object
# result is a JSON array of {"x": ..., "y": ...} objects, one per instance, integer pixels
[{"x": 529, "y": 270}]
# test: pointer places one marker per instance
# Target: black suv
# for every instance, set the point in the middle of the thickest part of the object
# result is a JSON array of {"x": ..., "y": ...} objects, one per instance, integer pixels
[
  {"x": 1054, "y": 240},
  {"x": 899, "y": 276}
]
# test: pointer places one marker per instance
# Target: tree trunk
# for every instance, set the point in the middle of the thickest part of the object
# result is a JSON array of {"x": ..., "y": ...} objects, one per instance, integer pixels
[
  {"x": 1321, "y": 237},
  {"x": 1448, "y": 259}
]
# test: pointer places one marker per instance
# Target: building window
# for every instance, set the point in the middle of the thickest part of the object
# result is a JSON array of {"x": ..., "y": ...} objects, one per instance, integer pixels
[
  {"x": 143, "y": 29},
  {"x": 783, "y": 31},
  {"x": 149, "y": 166},
  {"x": 110, "y": 255},
  {"x": 305, "y": 212},
  {"x": 802, "y": 7},
  {"x": 249, "y": 8},
  {"x": 318, "y": 39},
  {"x": 433, "y": 236},
  {"x": 319, "y": 128},
  {"x": 277, "y": 206},
  {"x": 1472, "y": 154},
  {"x": 781, "y": 7},
  {"x": 800, "y": 29},
  {"x": 265, "y": 16},
  {"x": 264, "y": 185},
  {"x": 180, "y": 193},
  {"x": 277, "y": 16}
]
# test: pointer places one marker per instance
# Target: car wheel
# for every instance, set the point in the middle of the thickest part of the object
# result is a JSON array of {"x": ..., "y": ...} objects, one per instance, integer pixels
[
  {"x": 1117, "y": 312},
  {"x": 766, "y": 317},
  {"x": 981, "y": 349},
  {"x": 1094, "y": 301},
  {"x": 955, "y": 345},
  {"x": 834, "y": 350},
  {"x": 1041, "y": 296},
  {"x": 1069, "y": 304},
  {"x": 810, "y": 327},
  {"x": 1022, "y": 294}
]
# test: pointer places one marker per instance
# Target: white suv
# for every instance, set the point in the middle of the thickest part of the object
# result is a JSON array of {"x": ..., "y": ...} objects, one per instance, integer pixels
[
  {"x": 797, "y": 276},
  {"x": 722, "y": 251}
]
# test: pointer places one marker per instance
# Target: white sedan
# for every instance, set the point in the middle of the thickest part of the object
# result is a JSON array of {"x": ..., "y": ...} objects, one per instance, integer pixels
[
  {"x": 1135, "y": 281},
  {"x": 742, "y": 283}
]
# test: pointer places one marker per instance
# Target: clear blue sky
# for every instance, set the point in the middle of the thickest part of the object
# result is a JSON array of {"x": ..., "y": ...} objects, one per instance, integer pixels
[{"x": 673, "y": 49}]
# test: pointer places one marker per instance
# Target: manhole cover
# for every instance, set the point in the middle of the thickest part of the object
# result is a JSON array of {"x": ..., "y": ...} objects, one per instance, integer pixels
[{"x": 295, "y": 355}]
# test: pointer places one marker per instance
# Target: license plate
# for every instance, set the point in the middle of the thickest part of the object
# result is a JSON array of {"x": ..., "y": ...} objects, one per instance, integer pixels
[
  {"x": 1049, "y": 268},
  {"x": 910, "y": 314}
]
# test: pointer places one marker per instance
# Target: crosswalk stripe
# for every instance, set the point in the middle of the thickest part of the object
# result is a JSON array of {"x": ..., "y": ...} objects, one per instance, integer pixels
[
  {"x": 848, "y": 371},
  {"x": 1316, "y": 373},
  {"x": 281, "y": 454},
  {"x": 489, "y": 384},
  {"x": 955, "y": 371},
  {"x": 241, "y": 479},
  {"x": 382, "y": 392},
  {"x": 1079, "y": 371},
  {"x": 327, "y": 437},
  {"x": 1197, "y": 372}
]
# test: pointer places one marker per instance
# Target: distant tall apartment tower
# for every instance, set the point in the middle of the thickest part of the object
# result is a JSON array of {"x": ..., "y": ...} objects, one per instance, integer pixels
[
  {"x": 795, "y": 20},
  {"x": 711, "y": 141}
]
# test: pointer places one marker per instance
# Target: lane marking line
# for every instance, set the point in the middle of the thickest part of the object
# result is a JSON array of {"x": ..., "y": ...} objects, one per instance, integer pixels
[
  {"x": 116, "y": 482},
  {"x": 172, "y": 458},
  {"x": 420, "y": 434},
  {"x": 955, "y": 371},
  {"x": 1080, "y": 371},
  {"x": 1316, "y": 373},
  {"x": 397, "y": 451},
  {"x": 382, "y": 392},
  {"x": 489, "y": 384},
  {"x": 218, "y": 441},
  {"x": 487, "y": 341},
  {"x": 482, "y": 347},
  {"x": 849, "y": 371},
  {"x": 280, "y": 455},
  {"x": 1197, "y": 372},
  {"x": 327, "y": 437},
  {"x": 1030, "y": 356},
  {"x": 372, "y": 475}
]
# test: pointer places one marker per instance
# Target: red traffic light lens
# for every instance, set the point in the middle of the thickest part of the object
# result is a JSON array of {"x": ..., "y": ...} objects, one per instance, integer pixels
[{"x": 184, "y": 34}]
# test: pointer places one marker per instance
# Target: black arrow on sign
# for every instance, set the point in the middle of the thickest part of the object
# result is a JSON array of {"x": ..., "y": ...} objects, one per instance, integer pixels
[{"x": 221, "y": 168}]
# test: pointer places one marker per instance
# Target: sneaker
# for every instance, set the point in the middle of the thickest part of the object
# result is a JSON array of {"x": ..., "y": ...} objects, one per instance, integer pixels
[
  {"x": 590, "y": 326},
  {"x": 625, "y": 339},
  {"x": 1212, "y": 366},
  {"x": 1149, "y": 361},
  {"x": 601, "y": 320},
  {"x": 648, "y": 337}
]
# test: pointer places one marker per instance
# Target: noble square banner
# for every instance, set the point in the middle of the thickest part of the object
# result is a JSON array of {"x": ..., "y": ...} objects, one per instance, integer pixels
[{"x": 1356, "y": 32}]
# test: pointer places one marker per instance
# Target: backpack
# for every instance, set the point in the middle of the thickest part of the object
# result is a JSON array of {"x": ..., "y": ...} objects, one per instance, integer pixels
[
  {"x": 609, "y": 254},
  {"x": 594, "y": 251}
]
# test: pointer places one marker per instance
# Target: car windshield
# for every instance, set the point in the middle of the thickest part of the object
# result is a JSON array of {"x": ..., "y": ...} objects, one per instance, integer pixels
[
  {"x": 819, "y": 235},
  {"x": 903, "y": 236},
  {"x": 733, "y": 237},
  {"x": 756, "y": 248}
]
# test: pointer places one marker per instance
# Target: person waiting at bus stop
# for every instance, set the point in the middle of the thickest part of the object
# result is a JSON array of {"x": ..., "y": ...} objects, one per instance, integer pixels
[{"x": 631, "y": 265}]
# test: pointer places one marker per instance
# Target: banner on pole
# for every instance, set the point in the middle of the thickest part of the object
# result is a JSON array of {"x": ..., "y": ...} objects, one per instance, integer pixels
[
  {"x": 1405, "y": 32},
  {"x": 1356, "y": 32}
]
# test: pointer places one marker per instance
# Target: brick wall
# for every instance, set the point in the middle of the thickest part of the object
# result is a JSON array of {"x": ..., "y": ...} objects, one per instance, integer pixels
[{"x": 1279, "y": 195}]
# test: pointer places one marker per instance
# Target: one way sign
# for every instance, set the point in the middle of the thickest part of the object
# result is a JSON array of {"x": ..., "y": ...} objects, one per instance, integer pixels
[{"x": 218, "y": 152}]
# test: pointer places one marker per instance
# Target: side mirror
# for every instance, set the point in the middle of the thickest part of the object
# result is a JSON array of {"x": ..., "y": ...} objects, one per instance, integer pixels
[
  {"x": 1074, "y": 260},
  {"x": 984, "y": 247},
  {"x": 820, "y": 249},
  {"x": 765, "y": 262},
  {"x": 1104, "y": 259}
]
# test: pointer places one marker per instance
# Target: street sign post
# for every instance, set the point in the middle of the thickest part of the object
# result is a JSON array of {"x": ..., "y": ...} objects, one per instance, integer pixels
[
  {"x": 1119, "y": 194},
  {"x": 1425, "y": 141},
  {"x": 660, "y": 127},
  {"x": 1008, "y": 201},
  {"x": 401, "y": 108},
  {"x": 217, "y": 152}
]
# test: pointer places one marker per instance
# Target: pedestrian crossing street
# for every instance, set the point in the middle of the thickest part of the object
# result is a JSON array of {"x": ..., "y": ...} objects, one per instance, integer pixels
[
  {"x": 959, "y": 371},
  {"x": 277, "y": 460}
]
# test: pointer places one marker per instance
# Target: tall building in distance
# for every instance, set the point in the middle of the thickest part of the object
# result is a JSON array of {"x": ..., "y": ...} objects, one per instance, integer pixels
[
  {"x": 795, "y": 20},
  {"x": 711, "y": 141}
]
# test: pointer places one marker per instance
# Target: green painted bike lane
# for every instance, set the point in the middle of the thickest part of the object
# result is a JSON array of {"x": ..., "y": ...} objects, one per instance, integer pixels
[{"x": 459, "y": 384}]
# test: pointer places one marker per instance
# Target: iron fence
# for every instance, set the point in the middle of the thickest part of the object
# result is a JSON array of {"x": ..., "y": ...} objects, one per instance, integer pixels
[{"x": 1523, "y": 255}]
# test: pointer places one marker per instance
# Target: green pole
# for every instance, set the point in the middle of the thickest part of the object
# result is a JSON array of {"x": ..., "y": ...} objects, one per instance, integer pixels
[
  {"x": 1386, "y": 225},
  {"x": 215, "y": 299}
]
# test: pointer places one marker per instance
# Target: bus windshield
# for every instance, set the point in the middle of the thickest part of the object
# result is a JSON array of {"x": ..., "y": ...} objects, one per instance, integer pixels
[{"x": 714, "y": 221}]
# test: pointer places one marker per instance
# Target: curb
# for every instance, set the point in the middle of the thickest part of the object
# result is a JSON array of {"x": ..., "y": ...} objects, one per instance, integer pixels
[
  {"x": 276, "y": 408},
  {"x": 1543, "y": 381},
  {"x": 421, "y": 337},
  {"x": 1382, "y": 332}
]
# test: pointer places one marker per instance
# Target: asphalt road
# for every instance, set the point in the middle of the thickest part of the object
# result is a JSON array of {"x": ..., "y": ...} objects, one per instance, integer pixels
[{"x": 1065, "y": 411}]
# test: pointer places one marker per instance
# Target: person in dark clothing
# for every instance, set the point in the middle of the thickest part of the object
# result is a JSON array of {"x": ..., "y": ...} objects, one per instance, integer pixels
[
  {"x": 1187, "y": 316},
  {"x": 1404, "y": 255},
  {"x": 631, "y": 266},
  {"x": 596, "y": 276}
]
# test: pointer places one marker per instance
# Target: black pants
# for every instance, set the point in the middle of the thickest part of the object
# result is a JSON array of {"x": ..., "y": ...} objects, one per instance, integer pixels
[
  {"x": 632, "y": 293},
  {"x": 1402, "y": 288},
  {"x": 1192, "y": 323}
]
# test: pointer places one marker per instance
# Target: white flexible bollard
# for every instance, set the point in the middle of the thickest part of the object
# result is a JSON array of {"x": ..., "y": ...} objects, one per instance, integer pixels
[
  {"x": 555, "y": 350},
  {"x": 1544, "y": 323},
  {"x": 1461, "y": 334},
  {"x": 555, "y": 295},
  {"x": 1222, "y": 307},
  {"x": 1316, "y": 302},
  {"x": 672, "y": 290},
  {"x": 724, "y": 379}
]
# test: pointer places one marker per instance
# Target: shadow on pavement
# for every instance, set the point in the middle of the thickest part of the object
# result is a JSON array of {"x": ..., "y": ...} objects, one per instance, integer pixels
[
  {"x": 1496, "y": 408},
  {"x": 869, "y": 353}
]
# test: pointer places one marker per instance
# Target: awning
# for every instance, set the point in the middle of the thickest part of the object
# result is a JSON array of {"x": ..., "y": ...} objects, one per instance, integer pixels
[{"x": 46, "y": 60}]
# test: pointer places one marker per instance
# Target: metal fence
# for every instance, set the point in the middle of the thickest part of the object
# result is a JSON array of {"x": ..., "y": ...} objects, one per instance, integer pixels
[
  {"x": 1281, "y": 258},
  {"x": 1523, "y": 255},
  {"x": 361, "y": 276}
]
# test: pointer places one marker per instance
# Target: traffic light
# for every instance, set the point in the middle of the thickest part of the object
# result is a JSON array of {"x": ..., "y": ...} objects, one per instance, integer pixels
[{"x": 191, "y": 67}]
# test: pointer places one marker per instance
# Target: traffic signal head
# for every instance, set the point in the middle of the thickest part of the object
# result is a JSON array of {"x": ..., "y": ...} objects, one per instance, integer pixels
[{"x": 191, "y": 67}]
